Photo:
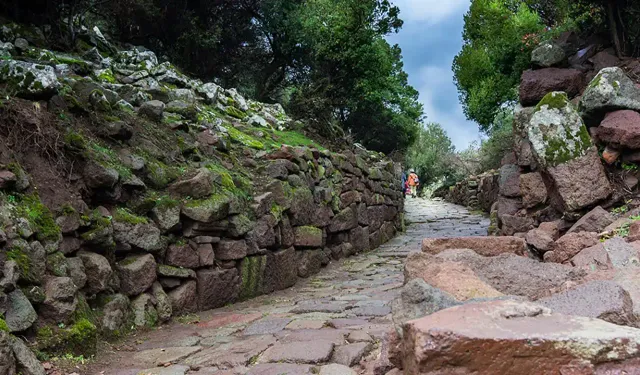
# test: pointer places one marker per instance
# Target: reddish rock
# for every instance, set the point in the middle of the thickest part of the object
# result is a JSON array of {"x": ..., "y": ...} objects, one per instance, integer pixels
[
  {"x": 512, "y": 224},
  {"x": 206, "y": 254},
  {"x": 216, "y": 288},
  {"x": 535, "y": 84},
  {"x": 540, "y": 240},
  {"x": 486, "y": 246},
  {"x": 182, "y": 256},
  {"x": 580, "y": 182},
  {"x": 634, "y": 231},
  {"x": 281, "y": 271},
  {"x": 533, "y": 189},
  {"x": 137, "y": 273},
  {"x": 516, "y": 275},
  {"x": 592, "y": 258},
  {"x": 620, "y": 129},
  {"x": 553, "y": 228},
  {"x": 604, "y": 300},
  {"x": 594, "y": 221},
  {"x": 184, "y": 299},
  {"x": 604, "y": 59},
  {"x": 447, "y": 342},
  {"x": 510, "y": 180},
  {"x": 308, "y": 237},
  {"x": 567, "y": 246},
  {"x": 452, "y": 277},
  {"x": 231, "y": 250}
]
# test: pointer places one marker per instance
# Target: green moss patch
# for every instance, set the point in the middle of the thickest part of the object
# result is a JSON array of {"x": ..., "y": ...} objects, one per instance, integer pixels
[
  {"x": 39, "y": 216},
  {"x": 554, "y": 100},
  {"x": 252, "y": 275},
  {"x": 125, "y": 216},
  {"x": 244, "y": 139},
  {"x": 78, "y": 339}
]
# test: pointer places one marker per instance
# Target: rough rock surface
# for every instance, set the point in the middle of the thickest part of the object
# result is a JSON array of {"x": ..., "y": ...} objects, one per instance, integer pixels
[
  {"x": 535, "y": 84},
  {"x": 486, "y": 246},
  {"x": 506, "y": 329}
]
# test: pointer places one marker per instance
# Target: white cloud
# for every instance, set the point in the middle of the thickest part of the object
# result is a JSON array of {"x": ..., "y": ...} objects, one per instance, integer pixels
[
  {"x": 430, "y": 11},
  {"x": 434, "y": 82}
]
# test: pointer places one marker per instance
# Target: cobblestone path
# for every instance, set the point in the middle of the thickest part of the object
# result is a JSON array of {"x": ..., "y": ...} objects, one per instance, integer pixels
[{"x": 323, "y": 325}]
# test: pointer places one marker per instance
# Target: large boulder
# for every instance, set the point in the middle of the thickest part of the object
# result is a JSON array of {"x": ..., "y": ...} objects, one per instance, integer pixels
[
  {"x": 139, "y": 235},
  {"x": 510, "y": 180},
  {"x": 308, "y": 237},
  {"x": 454, "y": 278},
  {"x": 533, "y": 189},
  {"x": 486, "y": 246},
  {"x": 604, "y": 300},
  {"x": 20, "y": 314},
  {"x": 281, "y": 271},
  {"x": 418, "y": 299},
  {"x": 7, "y": 360},
  {"x": 137, "y": 274},
  {"x": 184, "y": 299},
  {"x": 516, "y": 275},
  {"x": 60, "y": 299},
  {"x": 620, "y": 129},
  {"x": 535, "y": 84},
  {"x": 610, "y": 90},
  {"x": 518, "y": 336},
  {"x": 29, "y": 80}
]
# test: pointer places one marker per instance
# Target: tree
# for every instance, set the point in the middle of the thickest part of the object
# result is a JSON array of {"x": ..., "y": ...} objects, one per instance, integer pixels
[{"x": 499, "y": 36}]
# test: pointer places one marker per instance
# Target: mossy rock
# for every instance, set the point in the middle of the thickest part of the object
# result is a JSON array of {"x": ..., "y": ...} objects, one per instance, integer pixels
[
  {"x": 57, "y": 264},
  {"x": 39, "y": 216},
  {"x": 78, "y": 339},
  {"x": 252, "y": 276}
]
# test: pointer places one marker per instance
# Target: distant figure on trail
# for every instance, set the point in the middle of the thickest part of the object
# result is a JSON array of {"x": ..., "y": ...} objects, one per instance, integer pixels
[
  {"x": 413, "y": 181},
  {"x": 404, "y": 184}
]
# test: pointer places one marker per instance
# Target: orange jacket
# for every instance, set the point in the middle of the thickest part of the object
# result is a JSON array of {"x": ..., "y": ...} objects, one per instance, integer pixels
[{"x": 413, "y": 179}]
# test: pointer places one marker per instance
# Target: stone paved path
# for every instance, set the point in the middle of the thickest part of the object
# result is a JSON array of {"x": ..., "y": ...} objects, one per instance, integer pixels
[{"x": 337, "y": 317}]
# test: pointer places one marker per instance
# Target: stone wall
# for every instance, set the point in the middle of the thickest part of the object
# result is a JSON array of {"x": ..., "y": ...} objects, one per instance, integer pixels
[
  {"x": 477, "y": 192},
  {"x": 161, "y": 195}
]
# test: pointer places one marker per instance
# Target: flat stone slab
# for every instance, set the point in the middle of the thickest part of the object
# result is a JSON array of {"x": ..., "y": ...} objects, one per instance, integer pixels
[
  {"x": 171, "y": 370},
  {"x": 162, "y": 356},
  {"x": 334, "y": 335},
  {"x": 325, "y": 307},
  {"x": 351, "y": 354},
  {"x": 345, "y": 323},
  {"x": 336, "y": 369},
  {"x": 485, "y": 246},
  {"x": 221, "y": 320},
  {"x": 371, "y": 311},
  {"x": 306, "y": 324},
  {"x": 312, "y": 352},
  {"x": 267, "y": 326},
  {"x": 233, "y": 353},
  {"x": 282, "y": 369}
]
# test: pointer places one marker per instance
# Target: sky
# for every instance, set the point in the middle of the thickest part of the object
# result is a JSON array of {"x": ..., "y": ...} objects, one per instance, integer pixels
[{"x": 430, "y": 39}]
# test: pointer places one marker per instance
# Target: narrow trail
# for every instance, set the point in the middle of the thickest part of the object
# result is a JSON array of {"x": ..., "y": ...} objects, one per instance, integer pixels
[{"x": 337, "y": 316}]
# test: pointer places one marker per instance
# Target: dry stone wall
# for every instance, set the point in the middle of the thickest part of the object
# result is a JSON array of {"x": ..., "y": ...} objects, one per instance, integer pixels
[
  {"x": 478, "y": 192},
  {"x": 167, "y": 196}
]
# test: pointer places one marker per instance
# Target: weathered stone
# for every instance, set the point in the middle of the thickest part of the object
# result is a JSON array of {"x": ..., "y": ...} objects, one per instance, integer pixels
[
  {"x": 540, "y": 240},
  {"x": 26, "y": 361},
  {"x": 167, "y": 218},
  {"x": 20, "y": 314},
  {"x": 60, "y": 301},
  {"x": 358, "y": 239},
  {"x": 143, "y": 311},
  {"x": 344, "y": 220},
  {"x": 217, "y": 287},
  {"x": 516, "y": 275},
  {"x": 336, "y": 369},
  {"x": 182, "y": 256},
  {"x": 512, "y": 224},
  {"x": 206, "y": 255},
  {"x": 620, "y": 129},
  {"x": 163, "y": 304},
  {"x": 510, "y": 180},
  {"x": 137, "y": 273},
  {"x": 282, "y": 270},
  {"x": 594, "y": 221},
  {"x": 309, "y": 262},
  {"x": 610, "y": 155},
  {"x": 556, "y": 131},
  {"x": 141, "y": 236},
  {"x": 308, "y": 237},
  {"x": 610, "y": 90},
  {"x": 604, "y": 300},
  {"x": 115, "y": 313},
  {"x": 313, "y": 352},
  {"x": 535, "y": 84},
  {"x": 507, "y": 328},
  {"x": 548, "y": 54},
  {"x": 153, "y": 109},
  {"x": 252, "y": 275},
  {"x": 184, "y": 299},
  {"x": 175, "y": 272},
  {"x": 234, "y": 354},
  {"x": 29, "y": 80},
  {"x": 231, "y": 250},
  {"x": 7, "y": 360},
  {"x": 581, "y": 182},
  {"x": 486, "y": 246},
  {"x": 567, "y": 246},
  {"x": 418, "y": 299},
  {"x": 199, "y": 185},
  {"x": 451, "y": 277},
  {"x": 282, "y": 368},
  {"x": 77, "y": 272},
  {"x": 350, "y": 354},
  {"x": 216, "y": 207},
  {"x": 533, "y": 189}
]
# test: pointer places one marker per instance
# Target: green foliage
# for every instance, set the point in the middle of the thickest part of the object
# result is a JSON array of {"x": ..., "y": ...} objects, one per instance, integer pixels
[
  {"x": 499, "y": 36},
  {"x": 3, "y": 325},
  {"x": 125, "y": 216},
  {"x": 431, "y": 154},
  {"x": 77, "y": 340}
]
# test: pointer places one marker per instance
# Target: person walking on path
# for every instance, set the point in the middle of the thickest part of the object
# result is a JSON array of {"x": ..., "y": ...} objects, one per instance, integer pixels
[{"x": 413, "y": 182}]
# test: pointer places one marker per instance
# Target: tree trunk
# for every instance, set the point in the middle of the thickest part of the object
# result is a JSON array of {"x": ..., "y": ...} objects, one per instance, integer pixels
[{"x": 615, "y": 27}]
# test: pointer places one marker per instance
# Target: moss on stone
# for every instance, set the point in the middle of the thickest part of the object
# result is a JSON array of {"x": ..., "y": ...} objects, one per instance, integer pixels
[
  {"x": 125, "y": 216},
  {"x": 252, "y": 276},
  {"x": 39, "y": 216},
  {"x": 57, "y": 264},
  {"x": 78, "y": 339},
  {"x": 225, "y": 175},
  {"x": 75, "y": 140},
  {"x": 3, "y": 325},
  {"x": 244, "y": 139},
  {"x": 554, "y": 100},
  {"x": 106, "y": 75},
  {"x": 108, "y": 158}
]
